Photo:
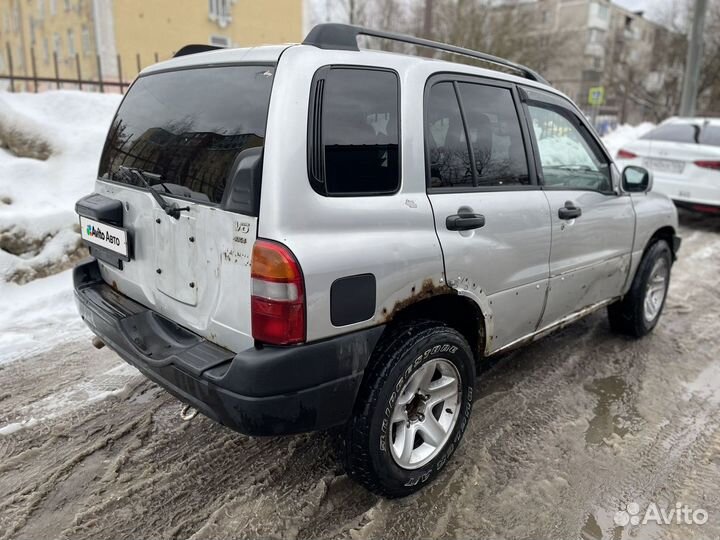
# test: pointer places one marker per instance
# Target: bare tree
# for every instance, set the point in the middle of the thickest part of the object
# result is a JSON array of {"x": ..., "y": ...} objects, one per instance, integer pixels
[{"x": 660, "y": 92}]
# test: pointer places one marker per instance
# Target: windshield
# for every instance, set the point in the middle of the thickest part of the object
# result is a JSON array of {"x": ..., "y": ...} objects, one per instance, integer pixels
[{"x": 188, "y": 128}]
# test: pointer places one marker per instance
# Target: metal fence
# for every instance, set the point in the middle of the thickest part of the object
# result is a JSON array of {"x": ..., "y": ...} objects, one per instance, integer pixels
[{"x": 105, "y": 82}]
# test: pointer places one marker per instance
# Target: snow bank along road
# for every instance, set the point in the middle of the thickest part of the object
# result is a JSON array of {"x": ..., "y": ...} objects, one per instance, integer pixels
[{"x": 564, "y": 433}]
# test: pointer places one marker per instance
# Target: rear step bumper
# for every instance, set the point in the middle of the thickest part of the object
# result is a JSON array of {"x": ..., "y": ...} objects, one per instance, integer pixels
[{"x": 268, "y": 391}]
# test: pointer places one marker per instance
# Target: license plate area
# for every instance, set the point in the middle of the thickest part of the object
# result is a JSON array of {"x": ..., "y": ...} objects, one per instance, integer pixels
[
  {"x": 176, "y": 259},
  {"x": 108, "y": 243},
  {"x": 664, "y": 165}
]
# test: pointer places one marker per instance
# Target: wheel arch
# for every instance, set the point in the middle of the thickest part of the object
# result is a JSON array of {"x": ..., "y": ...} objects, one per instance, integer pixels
[
  {"x": 457, "y": 310},
  {"x": 667, "y": 233}
]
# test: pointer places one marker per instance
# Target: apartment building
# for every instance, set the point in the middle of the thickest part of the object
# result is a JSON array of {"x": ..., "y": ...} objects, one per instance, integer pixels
[
  {"x": 593, "y": 43},
  {"x": 119, "y": 36}
]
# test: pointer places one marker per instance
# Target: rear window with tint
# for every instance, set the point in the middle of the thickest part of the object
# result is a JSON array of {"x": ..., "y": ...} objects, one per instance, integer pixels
[
  {"x": 683, "y": 133},
  {"x": 189, "y": 126}
]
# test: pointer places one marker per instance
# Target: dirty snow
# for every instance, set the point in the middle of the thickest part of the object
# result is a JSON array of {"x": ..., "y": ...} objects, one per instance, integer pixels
[
  {"x": 38, "y": 316},
  {"x": 624, "y": 134},
  {"x": 556, "y": 151},
  {"x": 37, "y": 218}
]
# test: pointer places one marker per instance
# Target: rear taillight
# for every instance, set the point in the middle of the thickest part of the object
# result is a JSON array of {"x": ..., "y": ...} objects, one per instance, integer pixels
[
  {"x": 625, "y": 154},
  {"x": 278, "y": 295},
  {"x": 715, "y": 165},
  {"x": 706, "y": 209}
]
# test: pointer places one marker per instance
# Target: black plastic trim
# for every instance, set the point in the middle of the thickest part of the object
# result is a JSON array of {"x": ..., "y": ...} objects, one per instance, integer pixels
[
  {"x": 676, "y": 243},
  {"x": 257, "y": 391},
  {"x": 242, "y": 189},
  {"x": 195, "y": 48},
  {"x": 352, "y": 299},
  {"x": 101, "y": 208},
  {"x": 344, "y": 37}
]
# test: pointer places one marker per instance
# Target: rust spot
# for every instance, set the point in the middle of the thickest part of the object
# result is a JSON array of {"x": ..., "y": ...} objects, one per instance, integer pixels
[
  {"x": 114, "y": 285},
  {"x": 428, "y": 290}
]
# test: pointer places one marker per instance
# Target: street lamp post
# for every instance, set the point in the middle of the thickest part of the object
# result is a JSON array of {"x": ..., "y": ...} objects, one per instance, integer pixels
[{"x": 694, "y": 59}]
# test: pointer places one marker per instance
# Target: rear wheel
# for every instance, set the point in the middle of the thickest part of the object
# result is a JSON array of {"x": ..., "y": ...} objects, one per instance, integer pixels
[
  {"x": 412, "y": 410},
  {"x": 638, "y": 313}
]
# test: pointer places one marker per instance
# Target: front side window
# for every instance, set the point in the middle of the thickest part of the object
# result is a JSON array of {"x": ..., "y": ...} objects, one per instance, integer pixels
[
  {"x": 355, "y": 133},
  {"x": 189, "y": 127},
  {"x": 569, "y": 159}
]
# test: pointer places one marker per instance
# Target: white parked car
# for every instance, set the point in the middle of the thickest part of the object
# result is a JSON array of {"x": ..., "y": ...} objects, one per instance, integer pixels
[{"x": 684, "y": 155}]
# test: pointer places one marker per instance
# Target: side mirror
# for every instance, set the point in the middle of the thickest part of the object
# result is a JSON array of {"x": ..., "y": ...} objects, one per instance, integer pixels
[{"x": 636, "y": 179}]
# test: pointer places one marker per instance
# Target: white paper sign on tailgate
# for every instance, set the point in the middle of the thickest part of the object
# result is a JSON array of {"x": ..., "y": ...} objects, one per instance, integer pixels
[{"x": 104, "y": 235}]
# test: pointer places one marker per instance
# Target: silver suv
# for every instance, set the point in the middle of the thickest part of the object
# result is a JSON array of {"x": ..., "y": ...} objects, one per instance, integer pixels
[{"x": 299, "y": 237}]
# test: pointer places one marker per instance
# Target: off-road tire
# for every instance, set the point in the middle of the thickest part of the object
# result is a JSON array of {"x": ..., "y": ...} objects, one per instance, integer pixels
[
  {"x": 626, "y": 316},
  {"x": 366, "y": 453}
]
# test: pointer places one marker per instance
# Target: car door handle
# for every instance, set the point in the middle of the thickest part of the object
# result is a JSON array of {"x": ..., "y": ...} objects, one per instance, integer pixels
[
  {"x": 569, "y": 211},
  {"x": 464, "y": 222}
]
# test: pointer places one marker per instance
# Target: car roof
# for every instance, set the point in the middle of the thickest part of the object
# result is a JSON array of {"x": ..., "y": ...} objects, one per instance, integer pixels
[
  {"x": 264, "y": 54},
  {"x": 272, "y": 53}
]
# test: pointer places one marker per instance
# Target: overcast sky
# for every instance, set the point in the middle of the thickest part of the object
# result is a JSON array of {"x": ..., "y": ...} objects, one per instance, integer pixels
[{"x": 653, "y": 9}]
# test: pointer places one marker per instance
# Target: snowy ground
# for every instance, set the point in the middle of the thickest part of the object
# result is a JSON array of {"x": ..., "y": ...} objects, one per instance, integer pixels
[{"x": 37, "y": 219}]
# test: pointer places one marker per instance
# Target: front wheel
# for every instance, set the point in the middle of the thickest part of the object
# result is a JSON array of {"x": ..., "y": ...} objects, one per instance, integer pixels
[
  {"x": 638, "y": 313},
  {"x": 412, "y": 410}
]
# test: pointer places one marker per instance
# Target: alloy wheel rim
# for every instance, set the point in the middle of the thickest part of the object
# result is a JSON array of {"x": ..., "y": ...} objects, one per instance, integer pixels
[
  {"x": 425, "y": 414},
  {"x": 656, "y": 290}
]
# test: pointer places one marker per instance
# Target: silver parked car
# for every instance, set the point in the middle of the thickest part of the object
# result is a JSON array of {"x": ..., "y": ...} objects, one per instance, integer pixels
[{"x": 300, "y": 237}]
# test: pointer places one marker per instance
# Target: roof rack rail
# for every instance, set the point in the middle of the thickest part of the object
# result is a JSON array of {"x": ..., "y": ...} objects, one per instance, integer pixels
[
  {"x": 194, "y": 49},
  {"x": 344, "y": 37}
]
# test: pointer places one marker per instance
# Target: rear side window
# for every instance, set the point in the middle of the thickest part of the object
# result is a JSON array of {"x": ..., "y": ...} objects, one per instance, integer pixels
[
  {"x": 354, "y": 132},
  {"x": 682, "y": 133},
  {"x": 493, "y": 128},
  {"x": 475, "y": 141},
  {"x": 189, "y": 127},
  {"x": 445, "y": 136},
  {"x": 710, "y": 135}
]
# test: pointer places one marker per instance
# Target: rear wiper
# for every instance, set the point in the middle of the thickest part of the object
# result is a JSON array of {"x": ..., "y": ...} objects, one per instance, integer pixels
[{"x": 171, "y": 210}]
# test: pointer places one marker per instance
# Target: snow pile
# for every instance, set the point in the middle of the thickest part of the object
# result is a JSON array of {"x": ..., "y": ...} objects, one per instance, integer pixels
[
  {"x": 624, "y": 134},
  {"x": 38, "y": 316},
  {"x": 50, "y": 145},
  {"x": 37, "y": 196},
  {"x": 556, "y": 151}
]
